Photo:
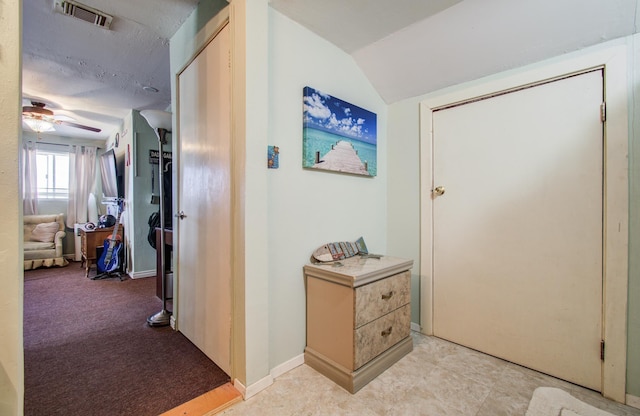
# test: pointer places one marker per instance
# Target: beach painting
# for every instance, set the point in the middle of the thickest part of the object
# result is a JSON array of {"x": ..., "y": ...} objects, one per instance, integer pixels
[{"x": 338, "y": 136}]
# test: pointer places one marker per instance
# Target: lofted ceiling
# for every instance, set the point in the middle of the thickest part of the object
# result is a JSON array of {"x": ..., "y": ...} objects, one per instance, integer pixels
[
  {"x": 355, "y": 24},
  {"x": 406, "y": 48}
]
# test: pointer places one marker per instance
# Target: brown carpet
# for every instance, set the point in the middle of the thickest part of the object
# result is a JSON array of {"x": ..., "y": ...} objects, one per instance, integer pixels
[{"x": 89, "y": 351}]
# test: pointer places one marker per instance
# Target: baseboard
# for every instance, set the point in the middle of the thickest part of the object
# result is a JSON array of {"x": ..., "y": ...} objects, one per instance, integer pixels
[
  {"x": 287, "y": 366},
  {"x": 633, "y": 401},
  {"x": 415, "y": 327},
  {"x": 145, "y": 273},
  {"x": 265, "y": 382},
  {"x": 255, "y": 388},
  {"x": 354, "y": 380},
  {"x": 240, "y": 387}
]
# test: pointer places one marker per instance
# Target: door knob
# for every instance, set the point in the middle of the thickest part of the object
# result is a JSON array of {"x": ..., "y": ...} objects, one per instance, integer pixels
[
  {"x": 181, "y": 215},
  {"x": 439, "y": 190}
]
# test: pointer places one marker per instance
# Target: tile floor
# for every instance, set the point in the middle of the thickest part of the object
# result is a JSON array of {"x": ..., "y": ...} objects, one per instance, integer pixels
[{"x": 437, "y": 378}]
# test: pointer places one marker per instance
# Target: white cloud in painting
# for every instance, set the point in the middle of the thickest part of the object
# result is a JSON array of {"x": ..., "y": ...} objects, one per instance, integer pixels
[
  {"x": 315, "y": 107},
  {"x": 332, "y": 122},
  {"x": 322, "y": 111}
]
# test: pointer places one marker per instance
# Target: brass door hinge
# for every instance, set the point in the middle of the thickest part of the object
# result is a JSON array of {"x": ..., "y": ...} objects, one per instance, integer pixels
[
  {"x": 603, "y": 111},
  {"x": 602, "y": 350}
]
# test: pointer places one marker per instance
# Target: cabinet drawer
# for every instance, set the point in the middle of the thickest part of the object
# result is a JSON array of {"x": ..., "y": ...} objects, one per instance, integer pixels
[
  {"x": 381, "y": 334},
  {"x": 381, "y": 297}
]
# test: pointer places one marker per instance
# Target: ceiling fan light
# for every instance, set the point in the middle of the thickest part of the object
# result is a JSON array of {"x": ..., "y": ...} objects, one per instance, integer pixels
[{"x": 39, "y": 125}]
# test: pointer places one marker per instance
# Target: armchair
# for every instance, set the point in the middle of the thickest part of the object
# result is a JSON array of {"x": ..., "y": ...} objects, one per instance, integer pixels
[{"x": 43, "y": 236}]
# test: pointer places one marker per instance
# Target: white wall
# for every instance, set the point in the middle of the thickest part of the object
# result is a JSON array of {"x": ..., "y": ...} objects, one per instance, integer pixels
[
  {"x": 633, "y": 341},
  {"x": 11, "y": 278},
  {"x": 250, "y": 55},
  {"x": 403, "y": 203},
  {"x": 136, "y": 139},
  {"x": 144, "y": 139},
  {"x": 309, "y": 208}
]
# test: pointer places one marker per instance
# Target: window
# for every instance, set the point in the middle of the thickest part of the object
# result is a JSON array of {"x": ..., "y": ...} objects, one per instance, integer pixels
[{"x": 53, "y": 175}]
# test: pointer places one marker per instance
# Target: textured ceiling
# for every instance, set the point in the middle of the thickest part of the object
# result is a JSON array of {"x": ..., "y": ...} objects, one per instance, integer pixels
[
  {"x": 405, "y": 47},
  {"x": 94, "y": 75}
]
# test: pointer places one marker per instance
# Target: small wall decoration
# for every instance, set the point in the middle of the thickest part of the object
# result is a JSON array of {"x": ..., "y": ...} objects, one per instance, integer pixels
[
  {"x": 272, "y": 157},
  {"x": 338, "y": 136}
]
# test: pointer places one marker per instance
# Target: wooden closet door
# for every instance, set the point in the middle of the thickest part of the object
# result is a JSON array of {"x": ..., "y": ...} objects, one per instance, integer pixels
[{"x": 204, "y": 196}]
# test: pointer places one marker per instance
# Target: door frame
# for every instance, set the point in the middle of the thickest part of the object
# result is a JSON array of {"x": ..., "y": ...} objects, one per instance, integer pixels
[{"x": 613, "y": 60}]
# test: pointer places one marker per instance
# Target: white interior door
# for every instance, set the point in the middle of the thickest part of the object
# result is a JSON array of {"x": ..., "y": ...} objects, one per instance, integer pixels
[
  {"x": 204, "y": 195},
  {"x": 517, "y": 234}
]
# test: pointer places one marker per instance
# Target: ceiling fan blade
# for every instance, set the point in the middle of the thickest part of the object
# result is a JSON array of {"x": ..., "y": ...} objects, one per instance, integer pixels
[
  {"x": 80, "y": 126},
  {"x": 59, "y": 117}
]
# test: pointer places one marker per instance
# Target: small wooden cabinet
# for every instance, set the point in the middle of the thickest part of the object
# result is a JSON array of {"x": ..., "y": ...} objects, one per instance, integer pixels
[
  {"x": 91, "y": 240},
  {"x": 358, "y": 317}
]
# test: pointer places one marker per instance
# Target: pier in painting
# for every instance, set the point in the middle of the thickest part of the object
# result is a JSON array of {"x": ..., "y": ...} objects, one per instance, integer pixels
[{"x": 341, "y": 158}]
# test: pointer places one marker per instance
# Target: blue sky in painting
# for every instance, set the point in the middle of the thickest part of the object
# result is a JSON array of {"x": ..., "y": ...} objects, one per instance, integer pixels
[{"x": 324, "y": 112}]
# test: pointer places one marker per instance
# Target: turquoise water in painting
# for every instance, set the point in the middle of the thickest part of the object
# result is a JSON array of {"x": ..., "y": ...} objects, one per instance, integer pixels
[{"x": 318, "y": 140}]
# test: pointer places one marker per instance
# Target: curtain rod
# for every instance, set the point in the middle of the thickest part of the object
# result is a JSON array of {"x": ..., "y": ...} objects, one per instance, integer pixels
[{"x": 65, "y": 145}]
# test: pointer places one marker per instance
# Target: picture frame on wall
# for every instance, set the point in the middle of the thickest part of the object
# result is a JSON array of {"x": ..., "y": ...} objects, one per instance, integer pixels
[{"x": 338, "y": 136}]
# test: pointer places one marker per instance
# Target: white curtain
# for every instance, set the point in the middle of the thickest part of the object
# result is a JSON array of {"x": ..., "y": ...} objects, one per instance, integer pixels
[
  {"x": 29, "y": 179},
  {"x": 82, "y": 171}
]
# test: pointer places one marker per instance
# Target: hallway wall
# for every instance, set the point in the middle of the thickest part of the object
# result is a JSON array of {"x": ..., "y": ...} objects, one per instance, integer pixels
[{"x": 307, "y": 208}]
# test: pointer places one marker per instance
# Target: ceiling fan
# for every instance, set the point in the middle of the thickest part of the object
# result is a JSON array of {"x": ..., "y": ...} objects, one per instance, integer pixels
[{"x": 40, "y": 119}]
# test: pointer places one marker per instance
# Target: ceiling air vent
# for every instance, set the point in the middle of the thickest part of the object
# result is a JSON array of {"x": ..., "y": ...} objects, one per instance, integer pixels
[{"x": 82, "y": 12}]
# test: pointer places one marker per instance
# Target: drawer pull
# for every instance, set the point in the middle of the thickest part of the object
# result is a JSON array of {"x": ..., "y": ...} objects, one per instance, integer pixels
[
  {"x": 387, "y": 296},
  {"x": 386, "y": 332}
]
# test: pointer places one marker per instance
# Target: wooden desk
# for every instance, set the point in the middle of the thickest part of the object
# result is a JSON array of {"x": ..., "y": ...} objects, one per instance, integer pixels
[
  {"x": 168, "y": 243},
  {"x": 93, "y": 239}
]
